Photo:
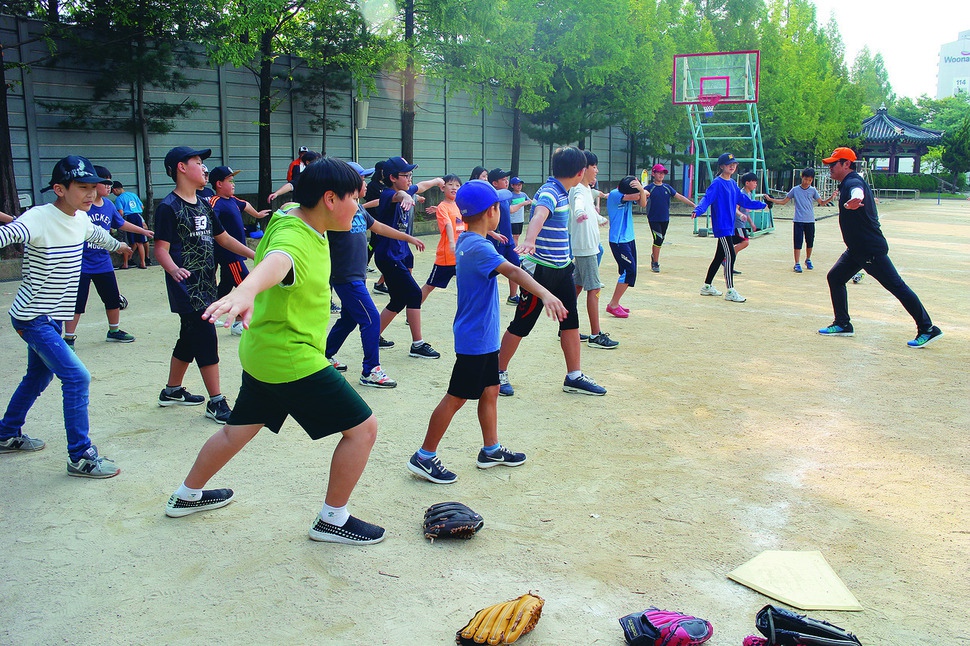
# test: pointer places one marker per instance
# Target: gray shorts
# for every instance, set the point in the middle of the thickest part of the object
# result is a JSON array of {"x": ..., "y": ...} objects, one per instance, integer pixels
[{"x": 586, "y": 273}]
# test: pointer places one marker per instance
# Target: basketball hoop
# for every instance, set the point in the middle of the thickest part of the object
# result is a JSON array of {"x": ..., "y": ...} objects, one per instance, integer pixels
[{"x": 708, "y": 103}]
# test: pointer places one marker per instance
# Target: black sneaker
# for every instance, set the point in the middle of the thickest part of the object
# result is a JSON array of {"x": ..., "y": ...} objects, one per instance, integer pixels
[
  {"x": 211, "y": 499},
  {"x": 218, "y": 411},
  {"x": 602, "y": 341},
  {"x": 380, "y": 288},
  {"x": 837, "y": 330},
  {"x": 582, "y": 337},
  {"x": 431, "y": 470},
  {"x": 354, "y": 532},
  {"x": 424, "y": 351},
  {"x": 923, "y": 339},
  {"x": 384, "y": 343},
  {"x": 502, "y": 457},
  {"x": 180, "y": 397}
]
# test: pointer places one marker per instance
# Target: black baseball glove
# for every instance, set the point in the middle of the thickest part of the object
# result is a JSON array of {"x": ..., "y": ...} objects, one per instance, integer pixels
[{"x": 451, "y": 520}]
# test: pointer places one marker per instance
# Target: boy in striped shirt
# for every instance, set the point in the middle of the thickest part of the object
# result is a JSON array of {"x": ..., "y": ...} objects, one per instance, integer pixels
[{"x": 54, "y": 237}]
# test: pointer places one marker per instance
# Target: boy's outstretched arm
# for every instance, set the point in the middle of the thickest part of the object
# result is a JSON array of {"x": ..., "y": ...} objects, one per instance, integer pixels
[
  {"x": 259, "y": 215},
  {"x": 5, "y": 218},
  {"x": 536, "y": 222},
  {"x": 134, "y": 228},
  {"x": 689, "y": 202},
  {"x": 429, "y": 183},
  {"x": 553, "y": 306},
  {"x": 273, "y": 270},
  {"x": 382, "y": 229},
  {"x": 226, "y": 241}
]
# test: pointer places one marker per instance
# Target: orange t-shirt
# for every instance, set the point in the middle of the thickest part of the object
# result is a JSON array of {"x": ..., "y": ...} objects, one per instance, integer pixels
[{"x": 447, "y": 212}]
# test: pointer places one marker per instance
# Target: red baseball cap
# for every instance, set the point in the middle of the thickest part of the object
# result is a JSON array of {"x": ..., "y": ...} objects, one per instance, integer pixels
[
  {"x": 658, "y": 168},
  {"x": 840, "y": 153}
]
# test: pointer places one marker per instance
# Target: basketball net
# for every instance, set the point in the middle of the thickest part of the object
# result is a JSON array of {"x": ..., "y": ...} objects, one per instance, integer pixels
[{"x": 708, "y": 103}]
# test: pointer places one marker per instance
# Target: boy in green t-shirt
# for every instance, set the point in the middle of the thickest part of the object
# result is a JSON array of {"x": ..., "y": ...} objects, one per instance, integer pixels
[{"x": 285, "y": 305}]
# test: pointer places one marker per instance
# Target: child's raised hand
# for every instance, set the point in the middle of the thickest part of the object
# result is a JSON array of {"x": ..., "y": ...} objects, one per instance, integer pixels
[
  {"x": 554, "y": 308},
  {"x": 433, "y": 209}
]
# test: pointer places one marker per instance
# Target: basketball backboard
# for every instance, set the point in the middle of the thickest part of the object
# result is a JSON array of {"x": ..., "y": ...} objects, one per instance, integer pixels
[{"x": 733, "y": 77}]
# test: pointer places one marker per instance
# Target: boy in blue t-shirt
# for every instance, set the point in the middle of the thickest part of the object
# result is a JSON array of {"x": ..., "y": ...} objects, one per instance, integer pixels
[
  {"x": 619, "y": 208},
  {"x": 658, "y": 210},
  {"x": 477, "y": 327},
  {"x": 130, "y": 207}
]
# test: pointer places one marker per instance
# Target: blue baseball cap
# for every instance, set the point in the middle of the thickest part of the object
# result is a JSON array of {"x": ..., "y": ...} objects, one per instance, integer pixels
[
  {"x": 475, "y": 196},
  {"x": 725, "y": 159},
  {"x": 363, "y": 172},
  {"x": 515, "y": 180},
  {"x": 75, "y": 169}
]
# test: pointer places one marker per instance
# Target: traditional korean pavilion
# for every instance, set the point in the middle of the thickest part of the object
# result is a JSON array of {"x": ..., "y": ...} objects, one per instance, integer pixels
[{"x": 885, "y": 136}]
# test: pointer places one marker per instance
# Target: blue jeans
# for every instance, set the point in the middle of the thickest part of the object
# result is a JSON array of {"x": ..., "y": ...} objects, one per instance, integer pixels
[
  {"x": 357, "y": 308},
  {"x": 49, "y": 355}
]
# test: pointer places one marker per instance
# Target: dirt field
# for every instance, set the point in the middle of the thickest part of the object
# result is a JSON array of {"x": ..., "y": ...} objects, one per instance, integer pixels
[{"x": 728, "y": 429}]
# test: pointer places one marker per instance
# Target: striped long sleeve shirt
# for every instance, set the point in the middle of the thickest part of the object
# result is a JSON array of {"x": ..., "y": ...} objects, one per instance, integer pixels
[{"x": 54, "y": 242}]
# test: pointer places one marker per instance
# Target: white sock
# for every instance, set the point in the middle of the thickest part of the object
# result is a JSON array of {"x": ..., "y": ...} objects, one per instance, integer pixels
[
  {"x": 334, "y": 515},
  {"x": 417, "y": 343},
  {"x": 575, "y": 374},
  {"x": 187, "y": 493}
]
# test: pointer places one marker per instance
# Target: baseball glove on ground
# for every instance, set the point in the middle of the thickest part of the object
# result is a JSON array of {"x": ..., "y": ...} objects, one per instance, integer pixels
[
  {"x": 502, "y": 623},
  {"x": 656, "y": 627},
  {"x": 785, "y": 628},
  {"x": 451, "y": 520}
]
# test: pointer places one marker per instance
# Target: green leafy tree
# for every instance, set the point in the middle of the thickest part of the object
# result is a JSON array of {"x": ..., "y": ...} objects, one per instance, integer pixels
[
  {"x": 870, "y": 74},
  {"x": 956, "y": 152}
]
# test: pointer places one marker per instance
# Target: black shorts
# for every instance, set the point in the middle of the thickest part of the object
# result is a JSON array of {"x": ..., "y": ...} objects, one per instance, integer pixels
[
  {"x": 529, "y": 307},
  {"x": 517, "y": 228},
  {"x": 402, "y": 289},
  {"x": 231, "y": 275},
  {"x": 803, "y": 230},
  {"x": 740, "y": 235},
  {"x": 322, "y": 403},
  {"x": 137, "y": 220},
  {"x": 659, "y": 231},
  {"x": 472, "y": 374},
  {"x": 441, "y": 275},
  {"x": 197, "y": 341},
  {"x": 107, "y": 286},
  {"x": 625, "y": 254}
]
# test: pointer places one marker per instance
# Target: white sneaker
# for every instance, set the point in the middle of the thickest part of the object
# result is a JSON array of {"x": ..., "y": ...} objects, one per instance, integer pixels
[
  {"x": 733, "y": 295},
  {"x": 236, "y": 329},
  {"x": 710, "y": 290},
  {"x": 377, "y": 379}
]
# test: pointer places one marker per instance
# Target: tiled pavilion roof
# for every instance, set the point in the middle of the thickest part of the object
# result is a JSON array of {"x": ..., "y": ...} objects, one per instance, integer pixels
[{"x": 881, "y": 128}]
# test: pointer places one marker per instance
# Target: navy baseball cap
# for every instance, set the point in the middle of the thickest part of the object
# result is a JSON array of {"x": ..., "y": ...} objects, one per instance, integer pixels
[
  {"x": 497, "y": 173},
  {"x": 363, "y": 172},
  {"x": 75, "y": 169},
  {"x": 725, "y": 159},
  {"x": 179, "y": 154},
  {"x": 398, "y": 165},
  {"x": 476, "y": 196},
  {"x": 515, "y": 180},
  {"x": 219, "y": 173}
]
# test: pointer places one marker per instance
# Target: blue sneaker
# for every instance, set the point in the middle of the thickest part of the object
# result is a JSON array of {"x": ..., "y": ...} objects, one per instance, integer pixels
[
  {"x": 501, "y": 456},
  {"x": 808, "y": 264},
  {"x": 582, "y": 385},
  {"x": 838, "y": 330},
  {"x": 923, "y": 339},
  {"x": 798, "y": 268},
  {"x": 504, "y": 387},
  {"x": 431, "y": 470}
]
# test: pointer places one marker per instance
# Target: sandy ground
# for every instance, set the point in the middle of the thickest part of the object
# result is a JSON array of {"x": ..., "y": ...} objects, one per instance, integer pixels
[{"x": 728, "y": 429}]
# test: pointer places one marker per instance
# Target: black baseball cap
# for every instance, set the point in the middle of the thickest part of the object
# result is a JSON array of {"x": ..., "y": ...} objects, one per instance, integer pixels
[
  {"x": 219, "y": 173},
  {"x": 74, "y": 168},
  {"x": 497, "y": 173},
  {"x": 179, "y": 154}
]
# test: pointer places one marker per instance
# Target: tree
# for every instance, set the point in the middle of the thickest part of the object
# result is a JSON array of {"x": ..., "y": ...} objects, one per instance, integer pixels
[
  {"x": 869, "y": 73},
  {"x": 956, "y": 152}
]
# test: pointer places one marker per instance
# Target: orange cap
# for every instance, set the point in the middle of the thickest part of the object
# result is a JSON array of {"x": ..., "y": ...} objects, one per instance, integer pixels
[{"x": 840, "y": 153}]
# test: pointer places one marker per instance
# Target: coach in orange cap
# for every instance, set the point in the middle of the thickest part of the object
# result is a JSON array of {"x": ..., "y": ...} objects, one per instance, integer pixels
[{"x": 866, "y": 248}]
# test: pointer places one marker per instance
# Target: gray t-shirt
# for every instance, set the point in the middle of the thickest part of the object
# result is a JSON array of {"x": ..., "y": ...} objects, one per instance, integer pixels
[
  {"x": 804, "y": 203},
  {"x": 348, "y": 250}
]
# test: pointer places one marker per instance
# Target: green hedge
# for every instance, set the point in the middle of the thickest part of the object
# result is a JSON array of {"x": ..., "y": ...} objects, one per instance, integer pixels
[{"x": 925, "y": 183}]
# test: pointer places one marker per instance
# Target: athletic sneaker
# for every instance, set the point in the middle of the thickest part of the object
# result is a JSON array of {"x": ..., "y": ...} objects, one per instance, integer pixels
[
  {"x": 618, "y": 312},
  {"x": 342, "y": 367},
  {"x": 655, "y": 267},
  {"x": 504, "y": 387},
  {"x": 798, "y": 268},
  {"x": 211, "y": 499},
  {"x": 424, "y": 351},
  {"x": 380, "y": 288},
  {"x": 733, "y": 296},
  {"x": 354, "y": 532},
  {"x": 583, "y": 385},
  {"x": 92, "y": 465},
  {"x": 582, "y": 337},
  {"x": 858, "y": 278},
  {"x": 602, "y": 341},
  {"x": 431, "y": 470},
  {"x": 21, "y": 444},
  {"x": 180, "y": 397},
  {"x": 70, "y": 343},
  {"x": 377, "y": 379},
  {"x": 735, "y": 272},
  {"x": 838, "y": 330},
  {"x": 710, "y": 290},
  {"x": 501, "y": 456},
  {"x": 808, "y": 264},
  {"x": 923, "y": 339},
  {"x": 384, "y": 343},
  {"x": 512, "y": 300},
  {"x": 236, "y": 329},
  {"x": 334, "y": 308},
  {"x": 218, "y": 411},
  {"x": 119, "y": 336}
]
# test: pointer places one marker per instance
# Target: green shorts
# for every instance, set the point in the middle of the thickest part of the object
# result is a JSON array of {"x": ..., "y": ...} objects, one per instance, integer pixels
[{"x": 322, "y": 403}]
